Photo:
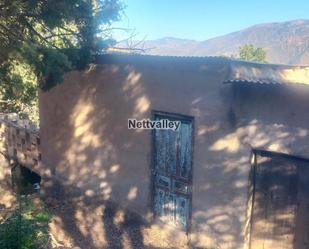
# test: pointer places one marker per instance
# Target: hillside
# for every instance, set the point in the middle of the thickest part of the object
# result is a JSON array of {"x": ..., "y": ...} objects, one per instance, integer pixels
[{"x": 286, "y": 43}]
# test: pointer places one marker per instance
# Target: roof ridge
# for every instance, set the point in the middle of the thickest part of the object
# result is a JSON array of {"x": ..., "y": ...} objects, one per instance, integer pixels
[{"x": 200, "y": 58}]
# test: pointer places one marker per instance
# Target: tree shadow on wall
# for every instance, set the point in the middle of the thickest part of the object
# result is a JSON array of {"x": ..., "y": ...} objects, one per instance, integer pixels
[
  {"x": 88, "y": 149},
  {"x": 117, "y": 226}
]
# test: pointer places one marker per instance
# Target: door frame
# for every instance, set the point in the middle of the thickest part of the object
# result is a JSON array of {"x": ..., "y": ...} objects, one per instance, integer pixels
[
  {"x": 252, "y": 177},
  {"x": 180, "y": 117}
]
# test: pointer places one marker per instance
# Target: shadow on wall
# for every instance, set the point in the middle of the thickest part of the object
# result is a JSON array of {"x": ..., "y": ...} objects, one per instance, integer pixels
[
  {"x": 96, "y": 158},
  {"x": 91, "y": 135},
  {"x": 95, "y": 223},
  {"x": 272, "y": 117}
]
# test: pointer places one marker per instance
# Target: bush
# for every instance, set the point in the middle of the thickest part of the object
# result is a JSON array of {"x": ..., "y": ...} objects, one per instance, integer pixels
[{"x": 26, "y": 227}]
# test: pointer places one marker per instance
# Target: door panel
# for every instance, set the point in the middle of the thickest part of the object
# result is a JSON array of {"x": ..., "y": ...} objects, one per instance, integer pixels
[
  {"x": 165, "y": 143},
  {"x": 172, "y": 172},
  {"x": 302, "y": 216},
  {"x": 185, "y": 150}
]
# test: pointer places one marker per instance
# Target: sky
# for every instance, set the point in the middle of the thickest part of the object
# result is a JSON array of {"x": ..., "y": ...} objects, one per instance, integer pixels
[{"x": 203, "y": 19}]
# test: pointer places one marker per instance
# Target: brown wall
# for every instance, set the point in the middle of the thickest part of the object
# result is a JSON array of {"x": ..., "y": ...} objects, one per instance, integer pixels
[
  {"x": 86, "y": 143},
  {"x": 276, "y": 114}
]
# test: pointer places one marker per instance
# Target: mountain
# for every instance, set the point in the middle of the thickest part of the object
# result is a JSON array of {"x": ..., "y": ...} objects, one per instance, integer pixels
[{"x": 285, "y": 43}]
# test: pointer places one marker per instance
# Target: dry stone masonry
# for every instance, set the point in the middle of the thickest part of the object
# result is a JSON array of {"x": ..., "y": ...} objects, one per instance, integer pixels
[{"x": 20, "y": 140}]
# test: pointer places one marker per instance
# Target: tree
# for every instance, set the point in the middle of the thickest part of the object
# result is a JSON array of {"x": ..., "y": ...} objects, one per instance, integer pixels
[
  {"x": 41, "y": 40},
  {"x": 249, "y": 53}
]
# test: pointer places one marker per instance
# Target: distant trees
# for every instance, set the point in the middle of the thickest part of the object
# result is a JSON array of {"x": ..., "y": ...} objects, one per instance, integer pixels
[{"x": 250, "y": 53}]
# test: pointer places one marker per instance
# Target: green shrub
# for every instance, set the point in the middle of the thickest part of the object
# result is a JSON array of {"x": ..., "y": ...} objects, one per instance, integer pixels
[{"x": 26, "y": 227}]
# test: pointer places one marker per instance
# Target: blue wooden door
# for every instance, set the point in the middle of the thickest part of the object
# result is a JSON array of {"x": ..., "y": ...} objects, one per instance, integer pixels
[{"x": 172, "y": 172}]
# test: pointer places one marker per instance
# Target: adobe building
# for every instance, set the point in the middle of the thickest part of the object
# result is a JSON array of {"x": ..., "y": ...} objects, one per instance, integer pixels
[{"x": 234, "y": 175}]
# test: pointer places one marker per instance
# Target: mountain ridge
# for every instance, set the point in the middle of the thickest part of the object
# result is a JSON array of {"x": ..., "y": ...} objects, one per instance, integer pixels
[{"x": 285, "y": 43}]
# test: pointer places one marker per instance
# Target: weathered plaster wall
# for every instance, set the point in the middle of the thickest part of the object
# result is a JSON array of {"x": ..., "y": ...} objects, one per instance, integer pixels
[
  {"x": 275, "y": 116},
  {"x": 86, "y": 143},
  {"x": 270, "y": 117}
]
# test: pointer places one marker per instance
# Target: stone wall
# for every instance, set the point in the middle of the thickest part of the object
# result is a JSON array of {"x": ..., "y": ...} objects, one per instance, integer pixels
[{"x": 20, "y": 140}]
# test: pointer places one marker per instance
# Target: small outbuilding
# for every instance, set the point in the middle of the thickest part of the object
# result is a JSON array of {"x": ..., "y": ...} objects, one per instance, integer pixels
[{"x": 235, "y": 174}]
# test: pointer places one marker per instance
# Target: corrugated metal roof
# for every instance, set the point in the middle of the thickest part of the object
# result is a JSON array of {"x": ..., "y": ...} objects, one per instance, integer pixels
[
  {"x": 243, "y": 71},
  {"x": 123, "y": 57},
  {"x": 239, "y": 71}
]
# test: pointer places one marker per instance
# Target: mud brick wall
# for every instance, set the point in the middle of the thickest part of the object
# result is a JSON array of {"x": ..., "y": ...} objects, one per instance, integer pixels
[{"x": 20, "y": 140}]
